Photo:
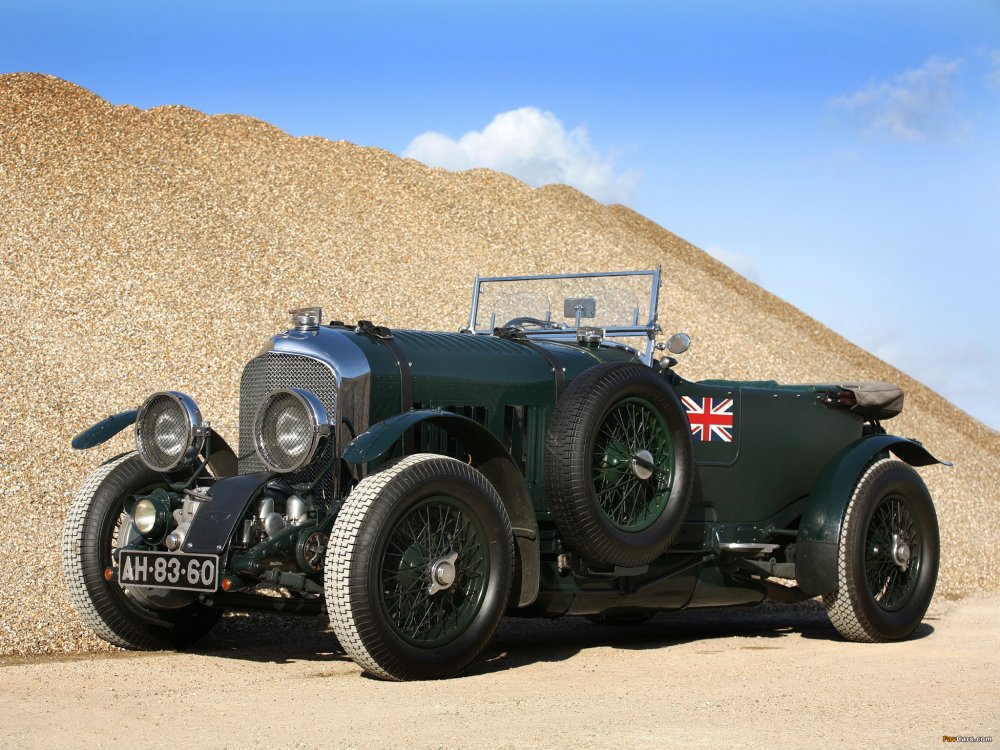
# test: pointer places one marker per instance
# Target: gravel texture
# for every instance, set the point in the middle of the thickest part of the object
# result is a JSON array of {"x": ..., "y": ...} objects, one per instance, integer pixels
[{"x": 146, "y": 250}]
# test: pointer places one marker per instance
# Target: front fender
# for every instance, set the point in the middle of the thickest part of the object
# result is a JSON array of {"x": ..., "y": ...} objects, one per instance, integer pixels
[
  {"x": 819, "y": 531},
  {"x": 222, "y": 458},
  {"x": 490, "y": 458},
  {"x": 104, "y": 430},
  {"x": 379, "y": 438}
]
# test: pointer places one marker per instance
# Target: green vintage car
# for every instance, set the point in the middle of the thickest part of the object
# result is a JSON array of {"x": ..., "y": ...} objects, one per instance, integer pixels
[{"x": 546, "y": 460}]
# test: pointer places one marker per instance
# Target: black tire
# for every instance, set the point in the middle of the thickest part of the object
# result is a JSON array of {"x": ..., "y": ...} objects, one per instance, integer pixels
[
  {"x": 605, "y": 510},
  {"x": 89, "y": 537},
  {"x": 888, "y": 556},
  {"x": 389, "y": 612}
]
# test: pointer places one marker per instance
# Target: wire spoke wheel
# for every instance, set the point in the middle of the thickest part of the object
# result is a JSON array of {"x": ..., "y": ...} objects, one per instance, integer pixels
[
  {"x": 434, "y": 571},
  {"x": 633, "y": 436},
  {"x": 96, "y": 526},
  {"x": 892, "y": 554},
  {"x": 418, "y": 571},
  {"x": 887, "y": 556},
  {"x": 619, "y": 464}
]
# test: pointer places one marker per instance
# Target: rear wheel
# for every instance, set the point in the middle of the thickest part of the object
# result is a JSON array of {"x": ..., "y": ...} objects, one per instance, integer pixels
[
  {"x": 887, "y": 558},
  {"x": 418, "y": 571},
  {"x": 96, "y": 525}
]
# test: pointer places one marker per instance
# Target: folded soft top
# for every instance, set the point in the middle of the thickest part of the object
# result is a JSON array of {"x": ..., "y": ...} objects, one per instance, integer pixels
[{"x": 876, "y": 400}]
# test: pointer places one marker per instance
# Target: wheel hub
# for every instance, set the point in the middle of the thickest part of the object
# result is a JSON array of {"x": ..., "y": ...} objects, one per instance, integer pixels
[
  {"x": 900, "y": 552},
  {"x": 641, "y": 461},
  {"x": 443, "y": 574}
]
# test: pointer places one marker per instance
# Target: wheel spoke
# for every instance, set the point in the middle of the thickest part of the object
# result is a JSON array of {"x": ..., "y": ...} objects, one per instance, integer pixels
[
  {"x": 891, "y": 575},
  {"x": 632, "y": 503},
  {"x": 439, "y": 529}
]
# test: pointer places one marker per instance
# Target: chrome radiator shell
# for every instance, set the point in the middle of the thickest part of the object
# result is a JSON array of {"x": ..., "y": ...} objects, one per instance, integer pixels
[{"x": 273, "y": 371}]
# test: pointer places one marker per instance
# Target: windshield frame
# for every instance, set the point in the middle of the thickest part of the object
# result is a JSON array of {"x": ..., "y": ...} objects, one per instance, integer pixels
[{"x": 569, "y": 331}]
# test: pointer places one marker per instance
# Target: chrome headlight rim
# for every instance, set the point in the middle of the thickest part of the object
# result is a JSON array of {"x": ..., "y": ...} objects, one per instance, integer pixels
[
  {"x": 188, "y": 441},
  {"x": 316, "y": 429}
]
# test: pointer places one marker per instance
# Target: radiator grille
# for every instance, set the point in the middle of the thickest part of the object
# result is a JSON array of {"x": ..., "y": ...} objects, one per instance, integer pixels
[{"x": 271, "y": 372}]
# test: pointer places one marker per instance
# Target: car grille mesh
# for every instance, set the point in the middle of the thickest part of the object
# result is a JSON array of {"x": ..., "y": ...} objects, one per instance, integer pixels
[{"x": 272, "y": 372}]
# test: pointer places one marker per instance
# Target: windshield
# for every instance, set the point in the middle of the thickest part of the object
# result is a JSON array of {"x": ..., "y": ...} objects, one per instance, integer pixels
[{"x": 623, "y": 304}]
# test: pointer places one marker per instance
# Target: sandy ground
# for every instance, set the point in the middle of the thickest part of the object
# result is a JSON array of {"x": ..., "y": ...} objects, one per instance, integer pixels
[{"x": 730, "y": 678}]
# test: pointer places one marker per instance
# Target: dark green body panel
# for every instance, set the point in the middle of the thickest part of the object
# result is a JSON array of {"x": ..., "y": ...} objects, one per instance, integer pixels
[
  {"x": 824, "y": 511},
  {"x": 454, "y": 368},
  {"x": 104, "y": 430},
  {"x": 786, "y": 445},
  {"x": 507, "y": 386},
  {"x": 783, "y": 437},
  {"x": 748, "y": 490}
]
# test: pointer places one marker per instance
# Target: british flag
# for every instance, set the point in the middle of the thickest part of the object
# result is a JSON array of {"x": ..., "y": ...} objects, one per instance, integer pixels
[{"x": 710, "y": 419}]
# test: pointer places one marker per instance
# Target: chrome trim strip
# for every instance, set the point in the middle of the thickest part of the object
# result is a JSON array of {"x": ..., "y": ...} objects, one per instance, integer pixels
[
  {"x": 591, "y": 275},
  {"x": 475, "y": 304}
]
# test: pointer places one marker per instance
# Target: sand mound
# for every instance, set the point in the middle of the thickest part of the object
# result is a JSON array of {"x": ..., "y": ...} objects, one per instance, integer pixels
[{"x": 144, "y": 250}]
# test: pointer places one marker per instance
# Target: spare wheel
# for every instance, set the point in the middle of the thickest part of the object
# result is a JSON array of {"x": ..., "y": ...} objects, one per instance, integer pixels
[{"x": 618, "y": 464}]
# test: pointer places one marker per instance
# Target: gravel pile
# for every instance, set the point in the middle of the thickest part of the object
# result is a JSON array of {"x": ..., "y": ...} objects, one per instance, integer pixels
[{"x": 147, "y": 250}]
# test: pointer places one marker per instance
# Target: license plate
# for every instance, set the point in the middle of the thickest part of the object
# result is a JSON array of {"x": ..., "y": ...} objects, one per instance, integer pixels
[{"x": 168, "y": 570}]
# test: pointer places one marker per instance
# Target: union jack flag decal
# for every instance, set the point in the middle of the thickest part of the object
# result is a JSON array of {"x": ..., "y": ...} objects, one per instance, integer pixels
[{"x": 711, "y": 419}]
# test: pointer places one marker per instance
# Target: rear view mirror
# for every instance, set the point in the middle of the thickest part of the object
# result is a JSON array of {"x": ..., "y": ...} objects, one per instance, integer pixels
[{"x": 579, "y": 307}]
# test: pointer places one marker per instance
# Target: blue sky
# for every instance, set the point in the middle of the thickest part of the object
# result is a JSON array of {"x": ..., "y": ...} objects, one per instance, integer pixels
[{"x": 844, "y": 155}]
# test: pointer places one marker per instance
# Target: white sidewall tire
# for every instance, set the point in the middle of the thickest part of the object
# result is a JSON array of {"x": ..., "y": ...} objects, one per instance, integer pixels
[
  {"x": 86, "y": 552},
  {"x": 353, "y": 565}
]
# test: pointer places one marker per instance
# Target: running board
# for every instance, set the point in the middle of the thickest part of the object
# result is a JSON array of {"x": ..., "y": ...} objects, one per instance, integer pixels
[{"x": 749, "y": 548}]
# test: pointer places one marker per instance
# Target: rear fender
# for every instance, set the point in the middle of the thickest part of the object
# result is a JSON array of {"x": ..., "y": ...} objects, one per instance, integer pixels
[
  {"x": 819, "y": 530},
  {"x": 490, "y": 458}
]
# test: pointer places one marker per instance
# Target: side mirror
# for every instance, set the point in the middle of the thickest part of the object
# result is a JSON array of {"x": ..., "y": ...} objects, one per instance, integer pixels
[{"x": 678, "y": 343}]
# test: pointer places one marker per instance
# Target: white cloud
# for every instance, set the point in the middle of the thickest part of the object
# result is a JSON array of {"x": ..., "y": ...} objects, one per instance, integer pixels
[
  {"x": 744, "y": 265},
  {"x": 914, "y": 106},
  {"x": 535, "y": 147}
]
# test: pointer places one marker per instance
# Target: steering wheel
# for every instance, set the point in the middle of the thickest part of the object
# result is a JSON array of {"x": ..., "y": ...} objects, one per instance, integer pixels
[{"x": 521, "y": 322}]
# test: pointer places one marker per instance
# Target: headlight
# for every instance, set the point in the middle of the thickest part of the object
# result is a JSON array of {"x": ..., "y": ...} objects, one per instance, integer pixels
[
  {"x": 150, "y": 516},
  {"x": 288, "y": 429},
  {"x": 168, "y": 431}
]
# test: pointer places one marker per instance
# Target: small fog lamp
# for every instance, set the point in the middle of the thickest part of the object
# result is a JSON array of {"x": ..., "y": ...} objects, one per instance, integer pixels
[{"x": 151, "y": 516}]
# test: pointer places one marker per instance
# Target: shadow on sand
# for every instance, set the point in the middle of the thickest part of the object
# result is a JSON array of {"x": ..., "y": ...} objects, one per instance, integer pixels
[{"x": 520, "y": 642}]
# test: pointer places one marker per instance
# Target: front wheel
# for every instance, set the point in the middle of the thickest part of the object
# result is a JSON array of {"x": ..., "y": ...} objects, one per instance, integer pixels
[
  {"x": 97, "y": 525},
  {"x": 887, "y": 558},
  {"x": 418, "y": 571}
]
